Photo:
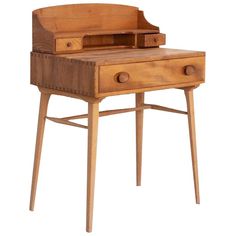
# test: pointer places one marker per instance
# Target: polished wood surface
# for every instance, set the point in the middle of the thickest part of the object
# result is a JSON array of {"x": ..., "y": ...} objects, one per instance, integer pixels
[
  {"x": 93, "y": 51},
  {"x": 111, "y": 32},
  {"x": 192, "y": 135},
  {"x": 38, "y": 147},
  {"x": 139, "y": 100},
  {"x": 61, "y": 74},
  {"x": 94, "y": 73},
  {"x": 53, "y": 26},
  {"x": 93, "y": 114},
  {"x": 70, "y": 44},
  {"x": 71, "y": 95},
  {"x": 151, "y": 40},
  {"x": 150, "y": 74},
  {"x": 87, "y": 17},
  {"x": 123, "y": 56}
]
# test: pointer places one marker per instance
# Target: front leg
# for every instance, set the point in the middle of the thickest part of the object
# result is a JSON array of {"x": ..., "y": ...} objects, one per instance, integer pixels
[
  {"x": 93, "y": 115},
  {"x": 192, "y": 135}
]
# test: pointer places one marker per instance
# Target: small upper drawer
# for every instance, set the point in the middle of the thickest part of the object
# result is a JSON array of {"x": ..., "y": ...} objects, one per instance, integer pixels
[
  {"x": 151, "y": 40},
  {"x": 152, "y": 74},
  {"x": 68, "y": 45}
]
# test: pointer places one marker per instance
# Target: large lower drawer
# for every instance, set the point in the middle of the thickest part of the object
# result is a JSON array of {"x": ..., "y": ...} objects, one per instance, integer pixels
[{"x": 151, "y": 74}]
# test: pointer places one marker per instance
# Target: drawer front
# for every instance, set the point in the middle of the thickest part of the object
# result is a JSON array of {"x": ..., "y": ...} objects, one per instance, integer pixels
[
  {"x": 68, "y": 45},
  {"x": 151, "y": 40},
  {"x": 133, "y": 76}
]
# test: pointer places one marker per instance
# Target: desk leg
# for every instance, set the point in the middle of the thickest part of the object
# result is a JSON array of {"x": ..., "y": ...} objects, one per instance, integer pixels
[
  {"x": 93, "y": 115},
  {"x": 192, "y": 134},
  {"x": 139, "y": 137},
  {"x": 38, "y": 147}
]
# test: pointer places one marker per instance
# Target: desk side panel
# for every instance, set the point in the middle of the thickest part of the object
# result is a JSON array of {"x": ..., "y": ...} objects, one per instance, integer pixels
[{"x": 62, "y": 74}]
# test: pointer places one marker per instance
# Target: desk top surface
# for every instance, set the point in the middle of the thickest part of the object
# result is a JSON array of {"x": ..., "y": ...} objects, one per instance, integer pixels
[{"x": 114, "y": 56}]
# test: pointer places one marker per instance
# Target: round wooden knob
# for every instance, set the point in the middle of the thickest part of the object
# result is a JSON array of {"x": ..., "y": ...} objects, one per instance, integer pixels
[
  {"x": 122, "y": 77},
  {"x": 69, "y": 44},
  {"x": 189, "y": 70}
]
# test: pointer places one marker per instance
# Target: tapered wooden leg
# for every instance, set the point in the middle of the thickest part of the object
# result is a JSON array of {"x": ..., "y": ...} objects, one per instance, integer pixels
[
  {"x": 93, "y": 115},
  {"x": 192, "y": 134},
  {"x": 139, "y": 137},
  {"x": 38, "y": 147}
]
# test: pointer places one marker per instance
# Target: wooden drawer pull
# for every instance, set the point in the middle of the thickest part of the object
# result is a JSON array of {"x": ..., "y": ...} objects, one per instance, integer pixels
[
  {"x": 189, "y": 70},
  {"x": 122, "y": 77},
  {"x": 69, "y": 44}
]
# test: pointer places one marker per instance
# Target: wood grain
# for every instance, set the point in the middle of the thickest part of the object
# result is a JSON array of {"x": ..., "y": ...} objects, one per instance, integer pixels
[
  {"x": 123, "y": 56},
  {"x": 84, "y": 33},
  {"x": 68, "y": 44},
  {"x": 38, "y": 147},
  {"x": 89, "y": 74},
  {"x": 87, "y": 17},
  {"x": 150, "y": 74},
  {"x": 151, "y": 40},
  {"x": 92, "y": 51},
  {"x": 193, "y": 143},
  {"x": 43, "y": 40},
  {"x": 66, "y": 75},
  {"x": 93, "y": 114},
  {"x": 52, "y": 25},
  {"x": 139, "y": 100},
  {"x": 71, "y": 95}
]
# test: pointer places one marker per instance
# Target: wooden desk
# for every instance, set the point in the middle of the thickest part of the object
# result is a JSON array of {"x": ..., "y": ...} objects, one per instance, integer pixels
[{"x": 92, "y": 51}]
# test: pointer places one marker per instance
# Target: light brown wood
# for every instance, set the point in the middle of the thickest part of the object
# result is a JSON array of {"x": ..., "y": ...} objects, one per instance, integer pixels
[
  {"x": 123, "y": 56},
  {"x": 54, "y": 25},
  {"x": 151, "y": 40},
  {"x": 93, "y": 114},
  {"x": 66, "y": 122},
  {"x": 170, "y": 86},
  {"x": 189, "y": 70},
  {"x": 71, "y": 18},
  {"x": 115, "y": 40},
  {"x": 69, "y": 44},
  {"x": 70, "y": 76},
  {"x": 111, "y": 32},
  {"x": 122, "y": 77},
  {"x": 38, "y": 147},
  {"x": 192, "y": 135},
  {"x": 98, "y": 40},
  {"x": 139, "y": 97},
  {"x": 161, "y": 108},
  {"x": 150, "y": 74},
  {"x": 108, "y": 112},
  {"x": 92, "y": 51},
  {"x": 92, "y": 74},
  {"x": 43, "y": 40},
  {"x": 72, "y": 95}
]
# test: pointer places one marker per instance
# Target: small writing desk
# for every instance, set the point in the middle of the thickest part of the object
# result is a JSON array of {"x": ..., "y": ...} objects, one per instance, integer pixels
[{"x": 92, "y": 51}]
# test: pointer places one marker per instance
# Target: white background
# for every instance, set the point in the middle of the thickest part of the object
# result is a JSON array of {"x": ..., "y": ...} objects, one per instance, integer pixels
[{"x": 164, "y": 205}]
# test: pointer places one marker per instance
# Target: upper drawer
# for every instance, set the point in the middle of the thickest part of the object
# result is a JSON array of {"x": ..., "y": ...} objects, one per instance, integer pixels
[
  {"x": 64, "y": 45},
  {"x": 151, "y": 74},
  {"x": 151, "y": 40}
]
